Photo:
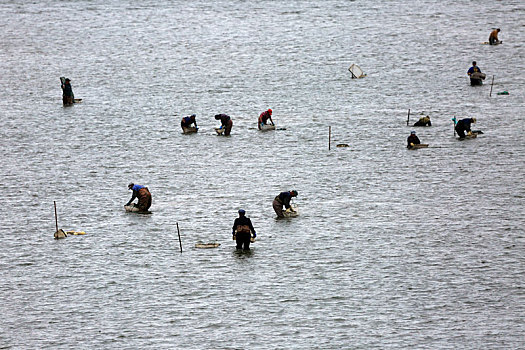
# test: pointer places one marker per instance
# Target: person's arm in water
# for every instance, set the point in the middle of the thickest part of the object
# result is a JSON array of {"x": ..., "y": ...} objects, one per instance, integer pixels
[{"x": 132, "y": 198}]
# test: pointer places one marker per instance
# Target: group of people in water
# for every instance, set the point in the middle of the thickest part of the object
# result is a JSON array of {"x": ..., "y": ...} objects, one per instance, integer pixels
[
  {"x": 242, "y": 230},
  {"x": 226, "y": 122},
  {"x": 463, "y": 126}
]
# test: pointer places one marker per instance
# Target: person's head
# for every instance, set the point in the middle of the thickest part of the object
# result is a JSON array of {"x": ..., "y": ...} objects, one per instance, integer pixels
[
  {"x": 130, "y": 186},
  {"x": 192, "y": 117},
  {"x": 242, "y": 212},
  {"x": 217, "y": 116},
  {"x": 293, "y": 193},
  {"x": 412, "y": 133},
  {"x": 473, "y": 63},
  {"x": 498, "y": 30},
  {"x": 473, "y": 120},
  {"x": 67, "y": 80},
  {"x": 270, "y": 111}
]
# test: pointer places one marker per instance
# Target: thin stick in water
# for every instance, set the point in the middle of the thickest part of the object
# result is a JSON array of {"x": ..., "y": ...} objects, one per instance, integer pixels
[
  {"x": 329, "y": 136},
  {"x": 56, "y": 218},
  {"x": 180, "y": 242},
  {"x": 490, "y": 95},
  {"x": 408, "y": 117}
]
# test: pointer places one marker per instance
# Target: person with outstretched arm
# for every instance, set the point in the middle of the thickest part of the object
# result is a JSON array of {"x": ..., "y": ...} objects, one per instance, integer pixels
[
  {"x": 283, "y": 199},
  {"x": 242, "y": 231}
]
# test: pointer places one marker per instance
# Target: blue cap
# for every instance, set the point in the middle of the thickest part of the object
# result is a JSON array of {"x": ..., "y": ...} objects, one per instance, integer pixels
[
  {"x": 412, "y": 133},
  {"x": 241, "y": 211}
]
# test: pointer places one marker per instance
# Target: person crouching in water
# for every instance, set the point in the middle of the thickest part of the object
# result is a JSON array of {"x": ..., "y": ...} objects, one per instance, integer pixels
[
  {"x": 143, "y": 194},
  {"x": 283, "y": 199},
  {"x": 493, "y": 37},
  {"x": 242, "y": 230},
  {"x": 412, "y": 140},
  {"x": 423, "y": 121},
  {"x": 226, "y": 123},
  {"x": 263, "y": 118},
  {"x": 464, "y": 125},
  {"x": 187, "y": 121}
]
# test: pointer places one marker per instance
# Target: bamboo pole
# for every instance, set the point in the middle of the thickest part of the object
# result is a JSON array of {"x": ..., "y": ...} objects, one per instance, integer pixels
[
  {"x": 329, "y": 136},
  {"x": 180, "y": 242},
  {"x": 490, "y": 95},
  {"x": 408, "y": 117},
  {"x": 56, "y": 217}
]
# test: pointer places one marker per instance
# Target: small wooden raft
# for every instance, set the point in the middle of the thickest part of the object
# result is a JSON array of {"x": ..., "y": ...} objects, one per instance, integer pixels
[{"x": 207, "y": 245}]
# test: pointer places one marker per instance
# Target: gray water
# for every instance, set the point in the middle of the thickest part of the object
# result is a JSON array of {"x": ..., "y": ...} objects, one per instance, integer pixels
[{"x": 393, "y": 248}]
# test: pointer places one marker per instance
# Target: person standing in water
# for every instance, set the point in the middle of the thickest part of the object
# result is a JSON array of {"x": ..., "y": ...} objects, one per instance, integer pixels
[
  {"x": 242, "y": 231},
  {"x": 67, "y": 93}
]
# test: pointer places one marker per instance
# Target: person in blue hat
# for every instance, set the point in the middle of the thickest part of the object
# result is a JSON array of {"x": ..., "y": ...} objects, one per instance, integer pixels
[
  {"x": 412, "y": 140},
  {"x": 143, "y": 194},
  {"x": 242, "y": 230},
  {"x": 283, "y": 199}
]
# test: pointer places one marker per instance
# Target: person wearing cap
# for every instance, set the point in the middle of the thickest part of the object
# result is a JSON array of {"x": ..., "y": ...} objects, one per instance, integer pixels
[
  {"x": 243, "y": 230},
  {"x": 283, "y": 199},
  {"x": 476, "y": 78},
  {"x": 143, "y": 194},
  {"x": 493, "y": 37},
  {"x": 423, "y": 121},
  {"x": 226, "y": 123},
  {"x": 187, "y": 121},
  {"x": 412, "y": 140},
  {"x": 67, "y": 93},
  {"x": 464, "y": 125},
  {"x": 263, "y": 118}
]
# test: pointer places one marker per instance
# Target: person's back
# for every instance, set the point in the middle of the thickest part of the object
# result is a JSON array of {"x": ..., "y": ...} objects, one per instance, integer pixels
[{"x": 493, "y": 37}]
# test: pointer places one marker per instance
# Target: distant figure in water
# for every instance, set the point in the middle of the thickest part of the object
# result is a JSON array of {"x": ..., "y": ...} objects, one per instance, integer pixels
[
  {"x": 226, "y": 123},
  {"x": 263, "y": 118},
  {"x": 423, "y": 121},
  {"x": 412, "y": 140},
  {"x": 493, "y": 37},
  {"x": 464, "y": 125},
  {"x": 187, "y": 121},
  {"x": 473, "y": 69},
  {"x": 283, "y": 199},
  {"x": 242, "y": 230},
  {"x": 67, "y": 93},
  {"x": 143, "y": 194},
  {"x": 475, "y": 74}
]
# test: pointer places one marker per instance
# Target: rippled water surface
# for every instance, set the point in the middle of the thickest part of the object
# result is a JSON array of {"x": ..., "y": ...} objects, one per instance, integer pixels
[{"x": 393, "y": 248}]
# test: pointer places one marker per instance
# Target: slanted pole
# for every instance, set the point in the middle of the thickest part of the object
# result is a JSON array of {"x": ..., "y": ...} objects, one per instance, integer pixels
[
  {"x": 180, "y": 242},
  {"x": 490, "y": 95},
  {"x": 408, "y": 116}
]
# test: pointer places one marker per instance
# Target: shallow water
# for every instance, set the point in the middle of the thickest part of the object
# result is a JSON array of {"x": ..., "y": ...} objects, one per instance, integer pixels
[{"x": 393, "y": 248}]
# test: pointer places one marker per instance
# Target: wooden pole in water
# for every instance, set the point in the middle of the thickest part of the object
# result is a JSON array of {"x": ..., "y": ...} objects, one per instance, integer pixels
[
  {"x": 454, "y": 125},
  {"x": 329, "y": 136},
  {"x": 180, "y": 242},
  {"x": 408, "y": 117},
  {"x": 490, "y": 95},
  {"x": 56, "y": 218}
]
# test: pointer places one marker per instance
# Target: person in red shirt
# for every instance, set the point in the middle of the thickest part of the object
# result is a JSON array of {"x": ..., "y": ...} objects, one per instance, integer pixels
[{"x": 263, "y": 118}]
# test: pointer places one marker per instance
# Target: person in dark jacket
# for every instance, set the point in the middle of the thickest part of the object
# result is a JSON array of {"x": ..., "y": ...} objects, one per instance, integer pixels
[
  {"x": 226, "y": 123},
  {"x": 263, "y": 118},
  {"x": 283, "y": 199},
  {"x": 187, "y": 121},
  {"x": 67, "y": 93},
  {"x": 242, "y": 230},
  {"x": 475, "y": 74},
  {"x": 412, "y": 140},
  {"x": 423, "y": 121},
  {"x": 464, "y": 125},
  {"x": 143, "y": 194}
]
